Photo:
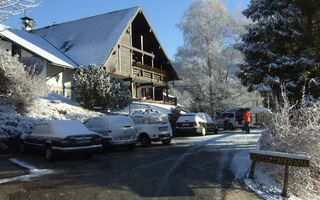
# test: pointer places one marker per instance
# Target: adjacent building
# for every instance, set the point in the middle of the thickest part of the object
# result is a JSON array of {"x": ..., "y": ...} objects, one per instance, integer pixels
[{"x": 123, "y": 42}]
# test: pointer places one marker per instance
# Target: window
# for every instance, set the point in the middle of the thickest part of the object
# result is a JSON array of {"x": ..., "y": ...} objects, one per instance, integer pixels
[
  {"x": 138, "y": 120},
  {"x": 16, "y": 50}
]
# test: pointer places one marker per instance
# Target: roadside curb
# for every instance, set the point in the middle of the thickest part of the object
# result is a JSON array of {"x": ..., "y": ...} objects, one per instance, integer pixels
[{"x": 12, "y": 169}]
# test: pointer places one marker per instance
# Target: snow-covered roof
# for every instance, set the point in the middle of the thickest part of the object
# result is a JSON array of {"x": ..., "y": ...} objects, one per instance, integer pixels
[
  {"x": 89, "y": 40},
  {"x": 260, "y": 109},
  {"x": 37, "y": 45}
]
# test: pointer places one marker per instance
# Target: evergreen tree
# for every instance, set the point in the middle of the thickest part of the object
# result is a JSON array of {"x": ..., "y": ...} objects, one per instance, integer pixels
[
  {"x": 282, "y": 47},
  {"x": 93, "y": 86}
]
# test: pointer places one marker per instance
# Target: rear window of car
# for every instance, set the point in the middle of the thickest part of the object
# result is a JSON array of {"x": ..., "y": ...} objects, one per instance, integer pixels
[
  {"x": 120, "y": 121},
  {"x": 229, "y": 115},
  {"x": 95, "y": 123},
  {"x": 41, "y": 129},
  {"x": 138, "y": 120},
  {"x": 208, "y": 118},
  {"x": 190, "y": 118},
  {"x": 67, "y": 127}
]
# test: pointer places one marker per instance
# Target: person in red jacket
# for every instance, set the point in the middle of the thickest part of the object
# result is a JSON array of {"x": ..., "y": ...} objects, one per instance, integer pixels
[{"x": 247, "y": 120}]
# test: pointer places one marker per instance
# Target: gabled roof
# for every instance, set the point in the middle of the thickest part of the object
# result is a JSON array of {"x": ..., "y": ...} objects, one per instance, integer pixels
[
  {"x": 37, "y": 45},
  {"x": 89, "y": 40}
]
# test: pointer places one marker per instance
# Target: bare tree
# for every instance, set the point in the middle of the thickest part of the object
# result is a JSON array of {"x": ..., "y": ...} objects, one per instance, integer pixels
[
  {"x": 206, "y": 60},
  {"x": 9, "y": 8}
]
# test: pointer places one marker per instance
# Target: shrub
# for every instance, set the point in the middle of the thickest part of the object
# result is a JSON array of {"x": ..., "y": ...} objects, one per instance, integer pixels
[
  {"x": 296, "y": 129},
  {"x": 22, "y": 84},
  {"x": 94, "y": 87}
]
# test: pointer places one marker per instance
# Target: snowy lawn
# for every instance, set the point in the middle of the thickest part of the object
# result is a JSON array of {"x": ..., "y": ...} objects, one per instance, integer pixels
[{"x": 51, "y": 107}]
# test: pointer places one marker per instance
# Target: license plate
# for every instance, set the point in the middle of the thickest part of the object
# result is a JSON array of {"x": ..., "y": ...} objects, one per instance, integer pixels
[
  {"x": 84, "y": 141},
  {"x": 124, "y": 138},
  {"x": 185, "y": 124}
]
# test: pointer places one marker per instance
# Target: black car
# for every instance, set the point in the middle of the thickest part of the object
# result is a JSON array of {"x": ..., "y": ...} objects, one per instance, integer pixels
[
  {"x": 196, "y": 123},
  {"x": 61, "y": 137}
]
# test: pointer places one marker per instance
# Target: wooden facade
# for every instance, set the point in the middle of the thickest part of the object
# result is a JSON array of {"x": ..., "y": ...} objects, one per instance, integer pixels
[{"x": 140, "y": 61}]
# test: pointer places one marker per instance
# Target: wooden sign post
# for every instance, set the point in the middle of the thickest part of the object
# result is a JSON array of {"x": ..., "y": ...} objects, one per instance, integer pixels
[{"x": 281, "y": 159}]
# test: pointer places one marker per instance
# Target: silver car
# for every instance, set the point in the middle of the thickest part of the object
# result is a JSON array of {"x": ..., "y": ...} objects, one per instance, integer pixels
[{"x": 116, "y": 130}]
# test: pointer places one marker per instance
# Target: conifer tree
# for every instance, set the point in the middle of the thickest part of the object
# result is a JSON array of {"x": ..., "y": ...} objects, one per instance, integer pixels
[
  {"x": 282, "y": 47},
  {"x": 93, "y": 86}
]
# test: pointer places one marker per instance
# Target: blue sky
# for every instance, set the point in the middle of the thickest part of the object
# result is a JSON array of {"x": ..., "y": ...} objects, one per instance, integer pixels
[{"x": 163, "y": 15}]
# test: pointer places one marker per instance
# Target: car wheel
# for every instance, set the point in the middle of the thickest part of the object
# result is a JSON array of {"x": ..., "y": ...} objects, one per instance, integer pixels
[
  {"x": 49, "y": 154},
  {"x": 166, "y": 142},
  {"x": 131, "y": 147},
  {"x": 145, "y": 140},
  {"x": 230, "y": 126},
  {"x": 203, "y": 131},
  {"x": 22, "y": 147}
]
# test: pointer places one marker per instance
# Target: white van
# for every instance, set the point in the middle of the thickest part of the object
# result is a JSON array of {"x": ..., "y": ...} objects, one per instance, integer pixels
[
  {"x": 152, "y": 126},
  {"x": 115, "y": 130}
]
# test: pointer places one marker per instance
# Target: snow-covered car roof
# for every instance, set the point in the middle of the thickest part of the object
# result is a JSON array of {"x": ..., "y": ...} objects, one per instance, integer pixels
[
  {"x": 63, "y": 128},
  {"x": 148, "y": 114},
  {"x": 199, "y": 117}
]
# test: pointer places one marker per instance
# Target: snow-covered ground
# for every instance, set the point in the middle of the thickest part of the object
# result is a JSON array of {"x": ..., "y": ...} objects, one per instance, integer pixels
[
  {"x": 55, "y": 106},
  {"x": 262, "y": 185},
  {"x": 34, "y": 172}
]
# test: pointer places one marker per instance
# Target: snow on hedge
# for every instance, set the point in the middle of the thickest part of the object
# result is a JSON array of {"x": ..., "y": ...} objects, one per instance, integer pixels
[{"x": 295, "y": 129}]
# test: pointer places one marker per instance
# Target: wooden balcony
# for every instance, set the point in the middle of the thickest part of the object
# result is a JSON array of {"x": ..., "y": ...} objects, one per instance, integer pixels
[{"x": 150, "y": 73}]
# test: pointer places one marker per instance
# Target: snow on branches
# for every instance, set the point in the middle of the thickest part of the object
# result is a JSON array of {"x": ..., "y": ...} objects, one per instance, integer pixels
[
  {"x": 22, "y": 86},
  {"x": 282, "y": 42},
  {"x": 10, "y": 8},
  {"x": 295, "y": 128},
  {"x": 94, "y": 87}
]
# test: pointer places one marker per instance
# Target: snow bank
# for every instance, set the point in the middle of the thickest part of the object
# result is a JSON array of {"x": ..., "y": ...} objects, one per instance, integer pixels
[
  {"x": 266, "y": 188},
  {"x": 54, "y": 106}
]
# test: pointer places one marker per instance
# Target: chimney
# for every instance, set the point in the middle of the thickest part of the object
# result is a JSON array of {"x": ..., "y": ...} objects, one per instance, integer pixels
[{"x": 27, "y": 24}]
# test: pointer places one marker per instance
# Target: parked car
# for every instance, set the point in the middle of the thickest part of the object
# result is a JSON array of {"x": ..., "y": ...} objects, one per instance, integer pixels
[
  {"x": 56, "y": 137},
  {"x": 173, "y": 117},
  {"x": 196, "y": 123},
  {"x": 152, "y": 127},
  {"x": 116, "y": 130},
  {"x": 231, "y": 118}
]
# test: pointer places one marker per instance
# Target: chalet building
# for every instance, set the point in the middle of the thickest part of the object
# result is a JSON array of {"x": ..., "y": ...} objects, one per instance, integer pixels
[{"x": 122, "y": 42}]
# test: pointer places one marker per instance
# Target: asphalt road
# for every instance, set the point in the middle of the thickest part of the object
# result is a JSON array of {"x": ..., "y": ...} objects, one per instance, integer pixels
[{"x": 189, "y": 168}]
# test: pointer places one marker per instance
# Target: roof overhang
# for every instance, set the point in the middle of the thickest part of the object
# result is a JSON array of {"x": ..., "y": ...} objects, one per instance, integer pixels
[{"x": 6, "y": 33}]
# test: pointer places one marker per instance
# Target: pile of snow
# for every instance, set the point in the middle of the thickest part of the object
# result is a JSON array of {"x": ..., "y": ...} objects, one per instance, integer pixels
[{"x": 54, "y": 106}]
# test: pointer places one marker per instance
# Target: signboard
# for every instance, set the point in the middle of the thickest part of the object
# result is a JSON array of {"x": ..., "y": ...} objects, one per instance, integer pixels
[
  {"x": 298, "y": 162},
  {"x": 281, "y": 159}
]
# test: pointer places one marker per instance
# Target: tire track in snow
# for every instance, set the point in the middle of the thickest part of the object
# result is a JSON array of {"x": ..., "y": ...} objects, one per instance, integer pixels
[{"x": 192, "y": 149}]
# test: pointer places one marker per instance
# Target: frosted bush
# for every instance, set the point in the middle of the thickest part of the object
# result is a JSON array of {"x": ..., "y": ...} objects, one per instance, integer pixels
[
  {"x": 296, "y": 129},
  {"x": 94, "y": 87},
  {"x": 22, "y": 85}
]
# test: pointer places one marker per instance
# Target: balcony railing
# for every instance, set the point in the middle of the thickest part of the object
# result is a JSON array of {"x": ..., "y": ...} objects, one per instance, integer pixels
[
  {"x": 149, "y": 68},
  {"x": 149, "y": 72}
]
